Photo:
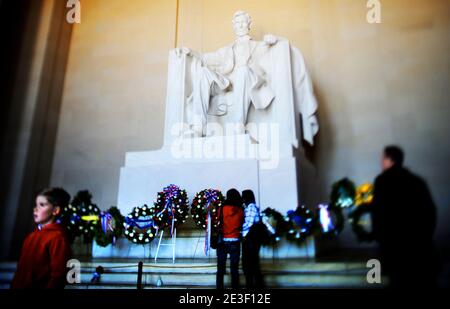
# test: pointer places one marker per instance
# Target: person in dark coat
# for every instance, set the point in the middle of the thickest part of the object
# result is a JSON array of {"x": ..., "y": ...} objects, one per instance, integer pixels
[{"x": 404, "y": 220}]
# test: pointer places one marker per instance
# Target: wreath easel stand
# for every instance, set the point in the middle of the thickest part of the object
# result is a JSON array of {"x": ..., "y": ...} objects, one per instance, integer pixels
[{"x": 172, "y": 243}]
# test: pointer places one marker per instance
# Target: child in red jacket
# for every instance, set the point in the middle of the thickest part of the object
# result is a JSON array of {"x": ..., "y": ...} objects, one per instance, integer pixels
[{"x": 45, "y": 251}]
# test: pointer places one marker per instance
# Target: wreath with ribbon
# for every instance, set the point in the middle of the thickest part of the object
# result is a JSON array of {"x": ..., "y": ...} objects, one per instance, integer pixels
[
  {"x": 81, "y": 216},
  {"x": 330, "y": 220},
  {"x": 139, "y": 225},
  {"x": 206, "y": 202},
  {"x": 110, "y": 228},
  {"x": 343, "y": 193},
  {"x": 171, "y": 208},
  {"x": 205, "y": 211},
  {"x": 301, "y": 224},
  {"x": 363, "y": 202},
  {"x": 276, "y": 226}
]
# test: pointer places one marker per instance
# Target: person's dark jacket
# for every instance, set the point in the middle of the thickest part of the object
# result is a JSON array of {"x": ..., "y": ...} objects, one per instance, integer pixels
[{"x": 404, "y": 219}]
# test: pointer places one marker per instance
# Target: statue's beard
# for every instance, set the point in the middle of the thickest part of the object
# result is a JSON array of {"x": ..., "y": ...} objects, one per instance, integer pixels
[{"x": 242, "y": 32}]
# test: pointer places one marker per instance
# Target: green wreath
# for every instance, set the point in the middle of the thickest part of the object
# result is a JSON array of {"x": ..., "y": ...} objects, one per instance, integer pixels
[
  {"x": 208, "y": 200},
  {"x": 276, "y": 226},
  {"x": 343, "y": 193},
  {"x": 81, "y": 216},
  {"x": 355, "y": 216},
  {"x": 110, "y": 228},
  {"x": 139, "y": 225}
]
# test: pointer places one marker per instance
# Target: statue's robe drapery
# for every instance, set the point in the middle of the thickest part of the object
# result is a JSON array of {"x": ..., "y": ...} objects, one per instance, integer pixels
[
  {"x": 279, "y": 75},
  {"x": 226, "y": 70}
]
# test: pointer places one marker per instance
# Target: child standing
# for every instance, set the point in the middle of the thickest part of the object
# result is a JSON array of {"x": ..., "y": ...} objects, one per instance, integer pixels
[{"x": 45, "y": 251}]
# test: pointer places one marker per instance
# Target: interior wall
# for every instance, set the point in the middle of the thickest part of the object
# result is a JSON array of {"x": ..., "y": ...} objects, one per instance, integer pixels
[
  {"x": 114, "y": 92},
  {"x": 376, "y": 84}
]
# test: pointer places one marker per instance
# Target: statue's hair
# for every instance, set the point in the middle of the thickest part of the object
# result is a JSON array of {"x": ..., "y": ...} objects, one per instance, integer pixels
[{"x": 239, "y": 13}]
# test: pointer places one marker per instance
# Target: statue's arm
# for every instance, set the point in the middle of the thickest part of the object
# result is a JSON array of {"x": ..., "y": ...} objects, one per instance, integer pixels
[
  {"x": 212, "y": 59},
  {"x": 188, "y": 52},
  {"x": 220, "y": 61}
]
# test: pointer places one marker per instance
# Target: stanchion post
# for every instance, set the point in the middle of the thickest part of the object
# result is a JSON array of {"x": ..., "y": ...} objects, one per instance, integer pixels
[{"x": 139, "y": 278}]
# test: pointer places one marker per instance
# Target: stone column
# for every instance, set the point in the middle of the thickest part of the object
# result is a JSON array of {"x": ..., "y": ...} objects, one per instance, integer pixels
[{"x": 32, "y": 120}]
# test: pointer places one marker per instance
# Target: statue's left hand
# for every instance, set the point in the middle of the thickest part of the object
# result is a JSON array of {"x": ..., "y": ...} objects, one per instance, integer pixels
[{"x": 270, "y": 39}]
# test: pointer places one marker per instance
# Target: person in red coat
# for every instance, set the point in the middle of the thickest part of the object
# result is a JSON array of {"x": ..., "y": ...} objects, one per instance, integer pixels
[
  {"x": 232, "y": 221},
  {"x": 45, "y": 252}
]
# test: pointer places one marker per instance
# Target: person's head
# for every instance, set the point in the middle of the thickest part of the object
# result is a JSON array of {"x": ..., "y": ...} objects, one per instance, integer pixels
[
  {"x": 248, "y": 197},
  {"x": 392, "y": 156},
  {"x": 233, "y": 198},
  {"x": 48, "y": 205},
  {"x": 241, "y": 23}
]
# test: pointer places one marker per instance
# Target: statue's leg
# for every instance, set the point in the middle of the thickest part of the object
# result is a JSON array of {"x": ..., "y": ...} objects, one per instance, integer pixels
[
  {"x": 241, "y": 94},
  {"x": 201, "y": 97}
]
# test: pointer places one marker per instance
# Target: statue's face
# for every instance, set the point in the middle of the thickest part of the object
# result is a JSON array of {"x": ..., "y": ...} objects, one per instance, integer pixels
[{"x": 241, "y": 25}]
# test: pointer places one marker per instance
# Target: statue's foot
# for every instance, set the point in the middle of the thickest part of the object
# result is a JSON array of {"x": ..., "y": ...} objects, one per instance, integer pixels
[{"x": 197, "y": 132}]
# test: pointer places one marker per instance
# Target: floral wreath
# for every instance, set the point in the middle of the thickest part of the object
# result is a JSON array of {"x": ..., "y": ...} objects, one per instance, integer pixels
[
  {"x": 205, "y": 211},
  {"x": 343, "y": 193},
  {"x": 301, "y": 223},
  {"x": 204, "y": 202},
  {"x": 357, "y": 226},
  {"x": 110, "y": 228},
  {"x": 363, "y": 205},
  {"x": 81, "y": 216},
  {"x": 171, "y": 208},
  {"x": 139, "y": 225},
  {"x": 364, "y": 194},
  {"x": 276, "y": 226}
]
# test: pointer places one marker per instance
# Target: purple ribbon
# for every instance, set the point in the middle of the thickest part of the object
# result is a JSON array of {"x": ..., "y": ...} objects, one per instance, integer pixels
[{"x": 105, "y": 219}]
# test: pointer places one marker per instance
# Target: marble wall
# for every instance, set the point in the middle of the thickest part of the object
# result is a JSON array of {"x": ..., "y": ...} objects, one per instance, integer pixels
[{"x": 376, "y": 84}]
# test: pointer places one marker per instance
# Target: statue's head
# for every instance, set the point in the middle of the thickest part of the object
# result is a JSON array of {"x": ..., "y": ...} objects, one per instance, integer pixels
[{"x": 241, "y": 23}]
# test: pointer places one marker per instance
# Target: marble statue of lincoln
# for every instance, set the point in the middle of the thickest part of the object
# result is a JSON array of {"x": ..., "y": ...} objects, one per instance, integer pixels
[
  {"x": 232, "y": 68},
  {"x": 245, "y": 82}
]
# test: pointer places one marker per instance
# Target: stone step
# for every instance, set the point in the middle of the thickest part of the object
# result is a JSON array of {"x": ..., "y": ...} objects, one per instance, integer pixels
[
  {"x": 201, "y": 274},
  {"x": 208, "y": 280}
]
